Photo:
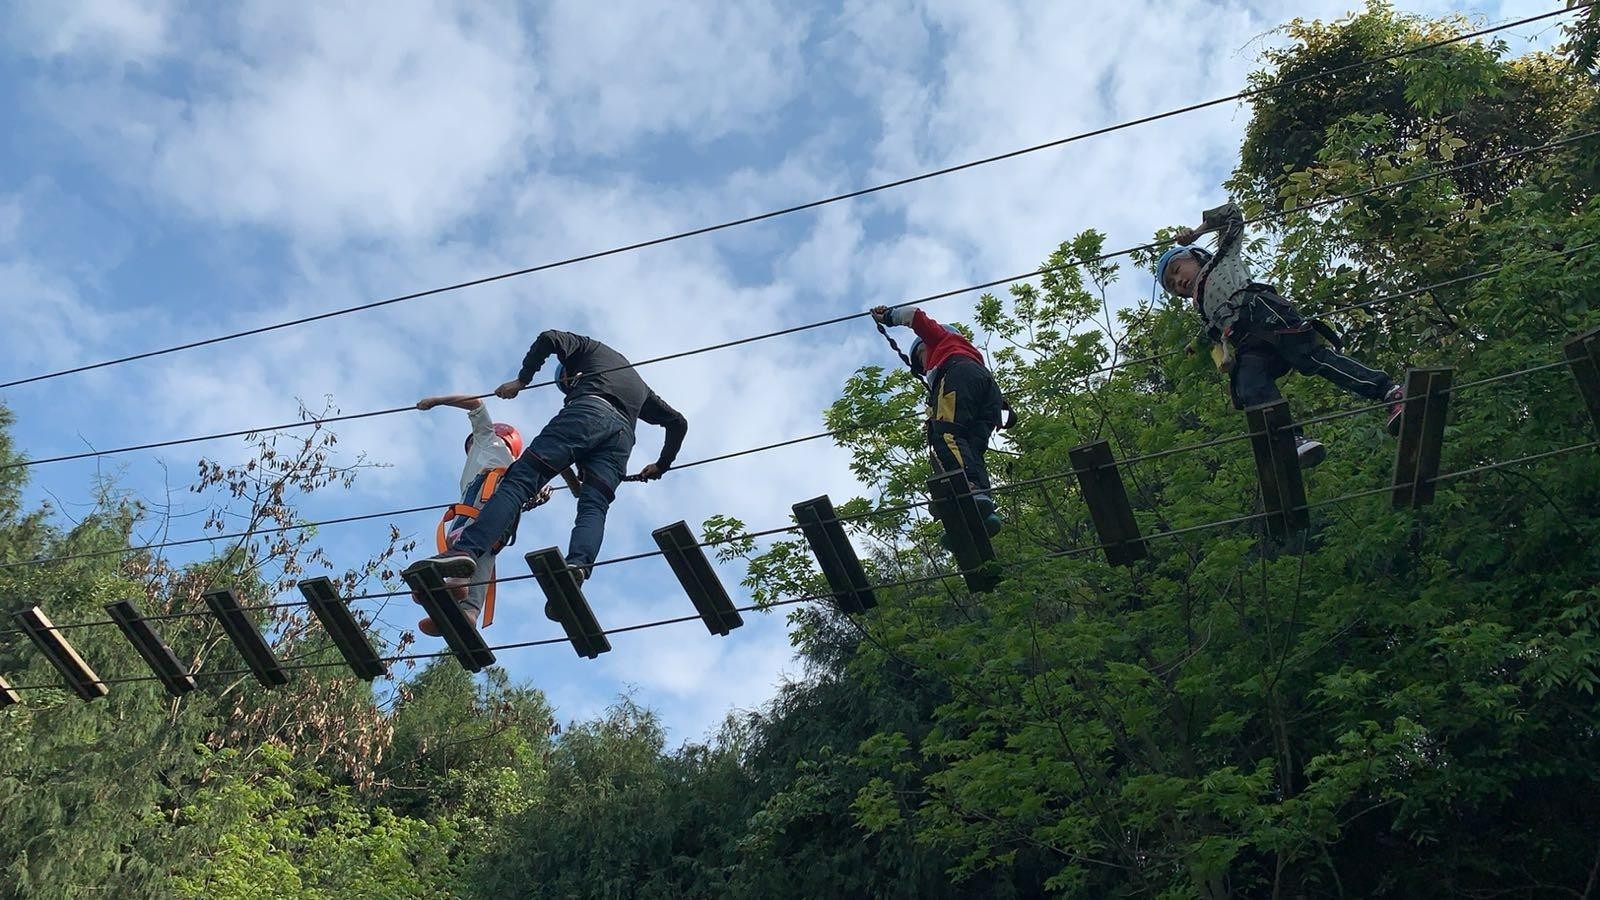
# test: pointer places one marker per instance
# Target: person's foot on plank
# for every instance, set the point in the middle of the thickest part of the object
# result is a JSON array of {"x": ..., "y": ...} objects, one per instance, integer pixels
[
  {"x": 578, "y": 576},
  {"x": 427, "y": 627},
  {"x": 1310, "y": 452},
  {"x": 1397, "y": 408},
  {"x": 450, "y": 564},
  {"x": 992, "y": 523},
  {"x": 457, "y": 588}
]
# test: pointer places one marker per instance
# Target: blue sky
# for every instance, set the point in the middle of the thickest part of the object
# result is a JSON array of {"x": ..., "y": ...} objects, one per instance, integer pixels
[{"x": 168, "y": 172}]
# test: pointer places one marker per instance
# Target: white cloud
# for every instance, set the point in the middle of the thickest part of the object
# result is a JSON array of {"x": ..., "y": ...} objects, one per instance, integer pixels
[
  {"x": 430, "y": 142},
  {"x": 822, "y": 263},
  {"x": 341, "y": 122},
  {"x": 697, "y": 678},
  {"x": 331, "y": 122},
  {"x": 114, "y": 31},
  {"x": 45, "y": 310},
  {"x": 620, "y": 72}
]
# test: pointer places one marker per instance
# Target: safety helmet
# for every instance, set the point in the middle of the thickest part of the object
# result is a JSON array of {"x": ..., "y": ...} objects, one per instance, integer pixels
[
  {"x": 1200, "y": 253},
  {"x": 504, "y": 432},
  {"x": 916, "y": 361},
  {"x": 561, "y": 379},
  {"x": 917, "y": 367}
]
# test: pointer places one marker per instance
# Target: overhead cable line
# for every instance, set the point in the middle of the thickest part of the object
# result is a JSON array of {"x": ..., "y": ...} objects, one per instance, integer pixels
[
  {"x": 1365, "y": 304},
  {"x": 814, "y": 204},
  {"x": 1315, "y": 204},
  {"x": 869, "y": 514},
  {"x": 435, "y": 507},
  {"x": 905, "y": 582}
]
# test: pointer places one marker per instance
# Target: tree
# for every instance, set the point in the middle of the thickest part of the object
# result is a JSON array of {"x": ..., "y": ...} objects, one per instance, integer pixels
[
  {"x": 117, "y": 767},
  {"x": 1399, "y": 706},
  {"x": 285, "y": 832},
  {"x": 1393, "y": 704}
]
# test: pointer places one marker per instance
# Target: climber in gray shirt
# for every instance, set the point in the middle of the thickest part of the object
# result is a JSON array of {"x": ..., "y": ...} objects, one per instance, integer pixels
[{"x": 1260, "y": 337}]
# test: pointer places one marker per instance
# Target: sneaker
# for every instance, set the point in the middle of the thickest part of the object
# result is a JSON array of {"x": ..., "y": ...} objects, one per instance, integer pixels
[
  {"x": 579, "y": 575},
  {"x": 450, "y": 564},
  {"x": 427, "y": 627},
  {"x": 985, "y": 504},
  {"x": 992, "y": 523},
  {"x": 1310, "y": 452},
  {"x": 1397, "y": 407}
]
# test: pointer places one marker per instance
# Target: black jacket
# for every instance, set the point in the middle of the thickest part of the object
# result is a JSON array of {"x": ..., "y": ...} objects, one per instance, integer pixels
[{"x": 608, "y": 375}]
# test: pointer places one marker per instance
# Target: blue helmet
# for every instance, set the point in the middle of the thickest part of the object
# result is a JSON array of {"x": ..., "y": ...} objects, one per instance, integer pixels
[
  {"x": 561, "y": 382},
  {"x": 1161, "y": 264}
]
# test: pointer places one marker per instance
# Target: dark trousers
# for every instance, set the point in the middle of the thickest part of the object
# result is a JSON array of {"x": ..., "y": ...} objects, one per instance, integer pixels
[
  {"x": 1271, "y": 339},
  {"x": 965, "y": 406},
  {"x": 589, "y": 432}
]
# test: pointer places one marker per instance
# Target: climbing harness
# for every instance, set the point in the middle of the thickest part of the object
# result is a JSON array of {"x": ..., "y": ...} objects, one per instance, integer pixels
[{"x": 457, "y": 516}]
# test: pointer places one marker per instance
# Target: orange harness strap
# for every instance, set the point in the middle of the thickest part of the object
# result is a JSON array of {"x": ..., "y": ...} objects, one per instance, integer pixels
[{"x": 491, "y": 480}]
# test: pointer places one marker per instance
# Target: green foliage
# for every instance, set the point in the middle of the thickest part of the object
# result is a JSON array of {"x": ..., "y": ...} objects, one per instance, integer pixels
[
  {"x": 1492, "y": 104},
  {"x": 286, "y": 833},
  {"x": 1373, "y": 713},
  {"x": 1397, "y": 704}
]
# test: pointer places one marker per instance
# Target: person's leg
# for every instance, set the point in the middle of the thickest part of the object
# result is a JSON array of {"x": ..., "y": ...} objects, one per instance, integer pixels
[
  {"x": 588, "y": 526},
  {"x": 604, "y": 466},
  {"x": 523, "y": 478},
  {"x": 966, "y": 410},
  {"x": 1254, "y": 377},
  {"x": 955, "y": 399},
  {"x": 478, "y": 590},
  {"x": 1255, "y": 381},
  {"x": 551, "y": 451},
  {"x": 1312, "y": 358},
  {"x": 952, "y": 448},
  {"x": 986, "y": 419},
  {"x": 978, "y": 435}
]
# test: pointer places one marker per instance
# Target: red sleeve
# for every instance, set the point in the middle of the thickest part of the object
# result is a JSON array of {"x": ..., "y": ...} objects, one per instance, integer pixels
[{"x": 931, "y": 332}]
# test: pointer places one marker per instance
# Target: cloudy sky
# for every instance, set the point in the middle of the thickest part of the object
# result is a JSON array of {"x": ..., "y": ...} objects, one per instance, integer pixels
[{"x": 169, "y": 172}]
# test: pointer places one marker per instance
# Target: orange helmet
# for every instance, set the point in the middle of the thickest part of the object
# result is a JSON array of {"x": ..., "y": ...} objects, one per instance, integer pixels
[
  {"x": 507, "y": 433},
  {"x": 511, "y": 436}
]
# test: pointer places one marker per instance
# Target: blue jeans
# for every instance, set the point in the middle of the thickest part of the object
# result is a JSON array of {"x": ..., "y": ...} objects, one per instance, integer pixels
[{"x": 589, "y": 432}]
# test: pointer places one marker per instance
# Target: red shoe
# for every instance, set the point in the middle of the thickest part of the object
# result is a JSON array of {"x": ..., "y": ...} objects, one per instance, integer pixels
[
  {"x": 426, "y": 626},
  {"x": 456, "y": 586},
  {"x": 1397, "y": 408}
]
